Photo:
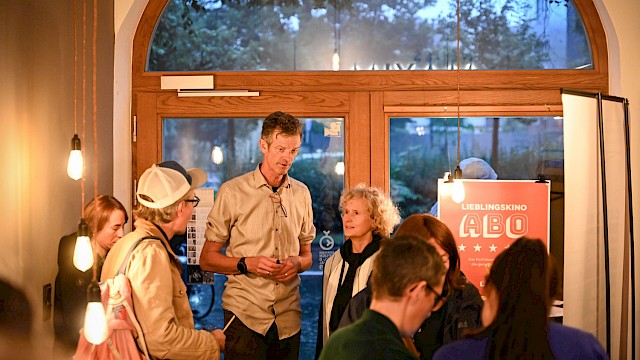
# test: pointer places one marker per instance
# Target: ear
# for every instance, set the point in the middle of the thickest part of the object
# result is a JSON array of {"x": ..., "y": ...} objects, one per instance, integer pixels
[
  {"x": 180, "y": 208},
  {"x": 264, "y": 146},
  {"x": 416, "y": 291}
]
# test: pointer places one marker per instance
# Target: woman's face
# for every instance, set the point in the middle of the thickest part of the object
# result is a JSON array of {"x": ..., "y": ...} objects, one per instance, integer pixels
[
  {"x": 490, "y": 307},
  {"x": 356, "y": 220},
  {"x": 443, "y": 254},
  {"x": 112, "y": 232}
]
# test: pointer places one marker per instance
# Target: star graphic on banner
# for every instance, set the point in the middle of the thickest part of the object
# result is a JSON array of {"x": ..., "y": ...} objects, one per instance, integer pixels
[
  {"x": 492, "y": 248},
  {"x": 462, "y": 247},
  {"x": 477, "y": 247}
]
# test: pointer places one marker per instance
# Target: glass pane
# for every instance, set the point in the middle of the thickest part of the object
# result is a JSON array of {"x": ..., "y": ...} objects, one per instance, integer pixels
[
  {"x": 214, "y": 35},
  {"x": 422, "y": 149},
  {"x": 226, "y": 148}
]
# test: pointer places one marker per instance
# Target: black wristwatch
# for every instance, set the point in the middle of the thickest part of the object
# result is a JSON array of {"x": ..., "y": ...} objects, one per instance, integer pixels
[{"x": 242, "y": 266}]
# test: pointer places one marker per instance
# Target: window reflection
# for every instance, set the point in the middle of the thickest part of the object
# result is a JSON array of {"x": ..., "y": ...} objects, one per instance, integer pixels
[{"x": 422, "y": 149}]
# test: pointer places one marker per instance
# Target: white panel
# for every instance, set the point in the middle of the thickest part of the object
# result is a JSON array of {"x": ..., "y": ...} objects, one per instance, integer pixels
[
  {"x": 615, "y": 166},
  {"x": 197, "y": 82},
  {"x": 581, "y": 212}
]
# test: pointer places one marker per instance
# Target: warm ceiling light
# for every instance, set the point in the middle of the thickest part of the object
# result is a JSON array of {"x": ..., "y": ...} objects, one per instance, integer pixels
[
  {"x": 216, "y": 155},
  {"x": 83, "y": 254},
  {"x": 75, "y": 164},
  {"x": 95, "y": 320}
]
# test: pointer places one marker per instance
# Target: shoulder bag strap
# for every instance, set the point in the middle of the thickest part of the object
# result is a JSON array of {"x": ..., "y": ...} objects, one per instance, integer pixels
[
  {"x": 123, "y": 267},
  {"x": 127, "y": 306}
]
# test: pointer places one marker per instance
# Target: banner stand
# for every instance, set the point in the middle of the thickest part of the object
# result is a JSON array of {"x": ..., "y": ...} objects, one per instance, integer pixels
[{"x": 629, "y": 212}]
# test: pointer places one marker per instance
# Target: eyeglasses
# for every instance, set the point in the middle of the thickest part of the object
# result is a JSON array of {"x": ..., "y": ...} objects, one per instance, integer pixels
[
  {"x": 195, "y": 201},
  {"x": 439, "y": 297},
  {"x": 276, "y": 199}
]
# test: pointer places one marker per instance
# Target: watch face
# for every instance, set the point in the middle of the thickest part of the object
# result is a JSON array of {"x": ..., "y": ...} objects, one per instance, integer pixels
[{"x": 242, "y": 266}]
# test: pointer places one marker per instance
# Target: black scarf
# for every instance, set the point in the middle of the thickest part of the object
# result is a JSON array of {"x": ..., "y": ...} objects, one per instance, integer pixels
[{"x": 345, "y": 287}]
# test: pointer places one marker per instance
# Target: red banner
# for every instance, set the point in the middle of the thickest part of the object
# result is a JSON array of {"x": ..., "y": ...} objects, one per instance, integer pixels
[{"x": 493, "y": 214}]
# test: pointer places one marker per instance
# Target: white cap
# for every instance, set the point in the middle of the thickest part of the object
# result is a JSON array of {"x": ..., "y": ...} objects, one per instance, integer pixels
[{"x": 167, "y": 182}]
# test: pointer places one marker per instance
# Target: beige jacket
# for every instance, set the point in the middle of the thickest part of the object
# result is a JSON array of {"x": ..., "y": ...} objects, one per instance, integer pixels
[{"x": 160, "y": 297}]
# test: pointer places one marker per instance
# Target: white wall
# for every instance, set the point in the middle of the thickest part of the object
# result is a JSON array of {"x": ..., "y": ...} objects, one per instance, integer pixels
[
  {"x": 623, "y": 31},
  {"x": 39, "y": 203}
]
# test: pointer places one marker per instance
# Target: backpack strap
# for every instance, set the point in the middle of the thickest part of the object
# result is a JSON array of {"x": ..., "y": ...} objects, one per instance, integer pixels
[
  {"x": 123, "y": 267},
  {"x": 130, "y": 311}
]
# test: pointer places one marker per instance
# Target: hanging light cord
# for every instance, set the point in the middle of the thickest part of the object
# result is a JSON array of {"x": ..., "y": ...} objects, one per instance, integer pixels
[
  {"x": 458, "y": 77},
  {"x": 95, "y": 99},
  {"x": 75, "y": 69},
  {"x": 84, "y": 100},
  {"x": 95, "y": 117}
]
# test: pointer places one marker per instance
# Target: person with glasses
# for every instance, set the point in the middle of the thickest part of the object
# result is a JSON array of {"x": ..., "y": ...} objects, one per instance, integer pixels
[
  {"x": 166, "y": 200},
  {"x": 265, "y": 220},
  {"x": 406, "y": 281},
  {"x": 519, "y": 290},
  {"x": 368, "y": 217},
  {"x": 461, "y": 306}
]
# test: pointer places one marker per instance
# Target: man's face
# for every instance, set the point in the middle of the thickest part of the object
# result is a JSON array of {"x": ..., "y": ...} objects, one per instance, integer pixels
[
  {"x": 429, "y": 301},
  {"x": 185, "y": 215},
  {"x": 279, "y": 155}
]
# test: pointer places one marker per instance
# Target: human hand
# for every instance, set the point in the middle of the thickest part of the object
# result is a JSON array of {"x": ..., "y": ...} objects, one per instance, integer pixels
[
  {"x": 264, "y": 266},
  {"x": 220, "y": 338},
  {"x": 291, "y": 266}
]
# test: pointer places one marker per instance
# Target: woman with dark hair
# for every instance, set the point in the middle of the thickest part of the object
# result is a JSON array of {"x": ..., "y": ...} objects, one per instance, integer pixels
[
  {"x": 368, "y": 217},
  {"x": 106, "y": 217},
  {"x": 462, "y": 305},
  {"x": 461, "y": 309},
  {"x": 515, "y": 314}
]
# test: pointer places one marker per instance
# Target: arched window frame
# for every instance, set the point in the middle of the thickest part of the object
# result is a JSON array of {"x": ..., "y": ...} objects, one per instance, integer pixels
[{"x": 386, "y": 93}]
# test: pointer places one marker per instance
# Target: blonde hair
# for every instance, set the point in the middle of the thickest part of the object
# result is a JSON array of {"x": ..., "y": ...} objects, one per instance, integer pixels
[
  {"x": 383, "y": 212},
  {"x": 159, "y": 216}
]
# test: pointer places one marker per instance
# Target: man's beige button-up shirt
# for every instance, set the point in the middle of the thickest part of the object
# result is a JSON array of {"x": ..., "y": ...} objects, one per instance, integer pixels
[{"x": 245, "y": 218}]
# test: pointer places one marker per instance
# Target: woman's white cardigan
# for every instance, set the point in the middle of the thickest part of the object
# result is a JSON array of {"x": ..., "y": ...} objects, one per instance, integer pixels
[{"x": 330, "y": 281}]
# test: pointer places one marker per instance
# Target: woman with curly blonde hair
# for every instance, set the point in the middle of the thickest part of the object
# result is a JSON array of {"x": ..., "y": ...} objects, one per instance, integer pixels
[{"x": 368, "y": 217}]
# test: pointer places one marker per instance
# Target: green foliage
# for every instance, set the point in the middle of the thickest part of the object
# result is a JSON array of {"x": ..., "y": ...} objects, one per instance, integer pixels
[
  {"x": 245, "y": 35},
  {"x": 326, "y": 188}
]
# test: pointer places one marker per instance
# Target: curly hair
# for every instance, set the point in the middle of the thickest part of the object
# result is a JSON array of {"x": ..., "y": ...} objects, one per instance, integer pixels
[
  {"x": 383, "y": 212},
  {"x": 159, "y": 216},
  {"x": 283, "y": 123}
]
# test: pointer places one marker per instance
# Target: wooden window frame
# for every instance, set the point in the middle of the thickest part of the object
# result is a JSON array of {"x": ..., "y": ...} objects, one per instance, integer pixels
[{"x": 366, "y": 99}]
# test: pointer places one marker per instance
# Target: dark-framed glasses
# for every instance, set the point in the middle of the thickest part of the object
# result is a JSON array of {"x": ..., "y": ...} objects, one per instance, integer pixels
[
  {"x": 195, "y": 201},
  {"x": 439, "y": 297},
  {"x": 276, "y": 199}
]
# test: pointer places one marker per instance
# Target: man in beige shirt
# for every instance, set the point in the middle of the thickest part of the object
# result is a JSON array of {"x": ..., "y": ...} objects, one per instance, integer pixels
[{"x": 265, "y": 220}]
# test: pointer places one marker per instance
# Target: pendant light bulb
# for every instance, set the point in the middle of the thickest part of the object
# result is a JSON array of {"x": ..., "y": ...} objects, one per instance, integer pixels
[
  {"x": 216, "y": 155},
  {"x": 445, "y": 189},
  {"x": 75, "y": 164},
  {"x": 95, "y": 320},
  {"x": 457, "y": 193},
  {"x": 335, "y": 61},
  {"x": 339, "y": 169},
  {"x": 83, "y": 254}
]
